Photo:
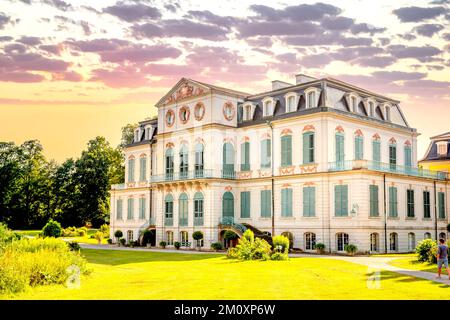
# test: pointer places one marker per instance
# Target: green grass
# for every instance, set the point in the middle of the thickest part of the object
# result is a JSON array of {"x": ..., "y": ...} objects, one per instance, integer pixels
[
  {"x": 85, "y": 239},
  {"x": 159, "y": 275},
  {"x": 31, "y": 233},
  {"x": 411, "y": 263}
]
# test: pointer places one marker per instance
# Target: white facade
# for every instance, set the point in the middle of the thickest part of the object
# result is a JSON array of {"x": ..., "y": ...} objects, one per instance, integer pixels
[{"x": 344, "y": 122}]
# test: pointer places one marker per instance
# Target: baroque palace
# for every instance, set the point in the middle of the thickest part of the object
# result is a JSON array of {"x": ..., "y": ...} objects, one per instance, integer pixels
[{"x": 320, "y": 161}]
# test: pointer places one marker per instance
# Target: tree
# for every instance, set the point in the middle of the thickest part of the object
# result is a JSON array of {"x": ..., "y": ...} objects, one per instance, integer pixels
[
  {"x": 127, "y": 134},
  {"x": 197, "y": 236},
  {"x": 52, "y": 229}
]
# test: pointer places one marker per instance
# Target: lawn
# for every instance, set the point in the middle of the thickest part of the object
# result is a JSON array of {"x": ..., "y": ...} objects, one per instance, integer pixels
[
  {"x": 160, "y": 275},
  {"x": 85, "y": 239},
  {"x": 412, "y": 264}
]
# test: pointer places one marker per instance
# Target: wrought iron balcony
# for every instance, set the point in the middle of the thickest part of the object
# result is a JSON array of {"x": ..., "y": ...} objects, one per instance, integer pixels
[
  {"x": 194, "y": 174},
  {"x": 230, "y": 221},
  {"x": 119, "y": 186}
]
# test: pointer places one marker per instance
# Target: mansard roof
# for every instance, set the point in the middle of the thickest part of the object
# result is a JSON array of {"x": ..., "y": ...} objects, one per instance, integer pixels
[{"x": 432, "y": 151}]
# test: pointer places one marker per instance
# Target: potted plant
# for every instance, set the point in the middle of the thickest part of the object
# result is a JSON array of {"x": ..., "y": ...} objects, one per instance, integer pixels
[
  {"x": 216, "y": 246},
  {"x": 122, "y": 241},
  {"x": 177, "y": 245},
  {"x": 197, "y": 236},
  {"x": 163, "y": 244},
  {"x": 146, "y": 236},
  {"x": 118, "y": 234},
  {"x": 350, "y": 249},
  {"x": 109, "y": 241},
  {"x": 320, "y": 248}
]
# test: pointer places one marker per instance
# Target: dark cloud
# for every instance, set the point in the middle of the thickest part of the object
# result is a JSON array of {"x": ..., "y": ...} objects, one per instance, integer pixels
[
  {"x": 398, "y": 75},
  {"x": 97, "y": 45},
  {"x": 428, "y": 30},
  {"x": 58, "y": 4},
  {"x": 302, "y": 12},
  {"x": 211, "y": 18},
  {"x": 375, "y": 61},
  {"x": 133, "y": 12},
  {"x": 31, "y": 41},
  {"x": 423, "y": 54},
  {"x": 365, "y": 28},
  {"x": 446, "y": 36},
  {"x": 4, "y": 20},
  {"x": 20, "y": 77},
  {"x": 416, "y": 14},
  {"x": 180, "y": 28},
  {"x": 277, "y": 28},
  {"x": 5, "y": 38},
  {"x": 51, "y": 48},
  {"x": 260, "y": 41},
  {"x": 172, "y": 7},
  {"x": 14, "y": 48},
  {"x": 327, "y": 39},
  {"x": 337, "y": 23}
]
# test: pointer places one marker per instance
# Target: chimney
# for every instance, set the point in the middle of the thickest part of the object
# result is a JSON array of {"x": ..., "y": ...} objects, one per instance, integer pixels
[
  {"x": 277, "y": 84},
  {"x": 303, "y": 78}
]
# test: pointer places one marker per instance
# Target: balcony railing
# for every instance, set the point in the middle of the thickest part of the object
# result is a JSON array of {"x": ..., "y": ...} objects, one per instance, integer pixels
[
  {"x": 119, "y": 186},
  {"x": 194, "y": 174},
  {"x": 230, "y": 221}
]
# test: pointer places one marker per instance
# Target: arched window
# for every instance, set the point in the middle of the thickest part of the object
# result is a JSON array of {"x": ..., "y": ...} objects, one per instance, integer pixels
[
  {"x": 340, "y": 150},
  {"x": 228, "y": 205},
  {"x": 130, "y": 235},
  {"x": 379, "y": 113},
  {"x": 411, "y": 241},
  {"x": 341, "y": 241},
  {"x": 198, "y": 209},
  {"x": 184, "y": 239},
  {"x": 393, "y": 241},
  {"x": 268, "y": 108},
  {"x": 311, "y": 99},
  {"x": 388, "y": 113},
  {"x": 168, "y": 210},
  {"x": 286, "y": 150},
  {"x": 374, "y": 242},
  {"x": 131, "y": 164},
  {"x": 266, "y": 154},
  {"x": 245, "y": 156},
  {"x": 143, "y": 168},
  {"x": 442, "y": 235},
  {"x": 354, "y": 102},
  {"x": 183, "y": 210},
  {"x": 371, "y": 108},
  {"x": 184, "y": 162},
  {"x": 228, "y": 161},
  {"x": 169, "y": 164},
  {"x": 427, "y": 235},
  {"x": 310, "y": 241},
  {"x": 169, "y": 238},
  {"x": 199, "y": 160},
  {"x": 308, "y": 147}
]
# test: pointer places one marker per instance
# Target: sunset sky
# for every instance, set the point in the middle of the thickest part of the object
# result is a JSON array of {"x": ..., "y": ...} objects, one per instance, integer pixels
[{"x": 72, "y": 70}]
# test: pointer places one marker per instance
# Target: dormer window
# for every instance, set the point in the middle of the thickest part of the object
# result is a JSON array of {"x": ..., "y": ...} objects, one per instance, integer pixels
[
  {"x": 371, "y": 108},
  {"x": 354, "y": 106},
  {"x": 268, "y": 106},
  {"x": 248, "y": 110},
  {"x": 312, "y": 97},
  {"x": 388, "y": 113},
  {"x": 442, "y": 147},
  {"x": 137, "y": 135},
  {"x": 370, "y": 104},
  {"x": 291, "y": 102},
  {"x": 148, "y": 133}
]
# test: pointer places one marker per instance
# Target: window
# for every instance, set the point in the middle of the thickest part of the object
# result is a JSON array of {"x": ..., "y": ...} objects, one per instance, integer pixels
[
  {"x": 184, "y": 164},
  {"x": 341, "y": 241},
  {"x": 441, "y": 204},
  {"x": 147, "y": 133},
  {"x": 310, "y": 241},
  {"x": 267, "y": 108},
  {"x": 393, "y": 205},
  {"x": 143, "y": 168},
  {"x": 311, "y": 99},
  {"x": 119, "y": 209},
  {"x": 371, "y": 108},
  {"x": 245, "y": 204},
  {"x": 169, "y": 164},
  {"x": 376, "y": 152},
  {"x": 228, "y": 161},
  {"x": 442, "y": 148},
  {"x": 130, "y": 235},
  {"x": 340, "y": 156},
  {"x": 266, "y": 200},
  {"x": 137, "y": 135},
  {"x": 286, "y": 202},
  {"x": 169, "y": 238},
  {"x": 266, "y": 153},
  {"x": 130, "y": 215},
  {"x": 131, "y": 170},
  {"x": 411, "y": 242},
  {"x": 198, "y": 160},
  {"x": 286, "y": 151},
  {"x": 341, "y": 200},
  {"x": 184, "y": 238},
  {"x": 374, "y": 212},
  {"x": 393, "y": 157},
  {"x": 183, "y": 210},
  {"x": 245, "y": 156},
  {"x": 247, "y": 112},
  {"x": 393, "y": 241},
  {"x": 359, "y": 148},
  {"x": 442, "y": 235},
  {"x": 290, "y": 107},
  {"x": 427, "y": 235},
  {"x": 308, "y": 147},
  {"x": 168, "y": 210},
  {"x": 309, "y": 201},
  {"x": 354, "y": 105},
  {"x": 374, "y": 242},
  {"x": 410, "y": 203},
  {"x": 142, "y": 208},
  {"x": 198, "y": 209},
  {"x": 228, "y": 205},
  {"x": 426, "y": 204},
  {"x": 388, "y": 114},
  {"x": 408, "y": 156}
]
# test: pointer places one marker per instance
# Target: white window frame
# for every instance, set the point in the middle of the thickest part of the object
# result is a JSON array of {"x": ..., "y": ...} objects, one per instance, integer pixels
[
  {"x": 288, "y": 96},
  {"x": 246, "y": 115},
  {"x": 370, "y": 111},
  {"x": 137, "y": 134},
  {"x": 350, "y": 98},
  {"x": 442, "y": 148},
  {"x": 387, "y": 107},
  {"x": 268, "y": 113},
  {"x": 316, "y": 92}
]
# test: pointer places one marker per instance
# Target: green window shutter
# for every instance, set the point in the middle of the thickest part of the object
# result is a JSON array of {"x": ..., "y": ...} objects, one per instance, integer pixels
[
  {"x": 119, "y": 209},
  {"x": 374, "y": 212},
  {"x": 340, "y": 157},
  {"x": 228, "y": 205},
  {"x": 308, "y": 147},
  {"x": 441, "y": 198},
  {"x": 142, "y": 169},
  {"x": 130, "y": 213},
  {"x": 309, "y": 201},
  {"x": 286, "y": 202},
  {"x": 245, "y": 204},
  {"x": 265, "y": 153},
  {"x": 286, "y": 151},
  {"x": 266, "y": 197},
  {"x": 131, "y": 170},
  {"x": 141, "y": 208},
  {"x": 245, "y": 156},
  {"x": 337, "y": 201},
  {"x": 426, "y": 205},
  {"x": 393, "y": 202},
  {"x": 359, "y": 148},
  {"x": 392, "y": 156},
  {"x": 344, "y": 200},
  {"x": 376, "y": 151},
  {"x": 410, "y": 203},
  {"x": 408, "y": 156}
]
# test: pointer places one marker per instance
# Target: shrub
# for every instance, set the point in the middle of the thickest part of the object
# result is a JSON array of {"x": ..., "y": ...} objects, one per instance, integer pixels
[
  {"x": 81, "y": 233},
  {"x": 177, "y": 245},
  {"x": 134, "y": 243},
  {"x": 350, "y": 249},
  {"x": 146, "y": 236},
  {"x": 104, "y": 228},
  {"x": 230, "y": 235},
  {"x": 216, "y": 246},
  {"x": 118, "y": 234},
  {"x": 74, "y": 246},
  {"x": 109, "y": 241},
  {"x": 52, "y": 229},
  {"x": 281, "y": 241},
  {"x": 33, "y": 262},
  {"x": 122, "y": 241},
  {"x": 7, "y": 236},
  {"x": 279, "y": 256},
  {"x": 426, "y": 250},
  {"x": 250, "y": 248},
  {"x": 232, "y": 253},
  {"x": 162, "y": 244},
  {"x": 99, "y": 236}
]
